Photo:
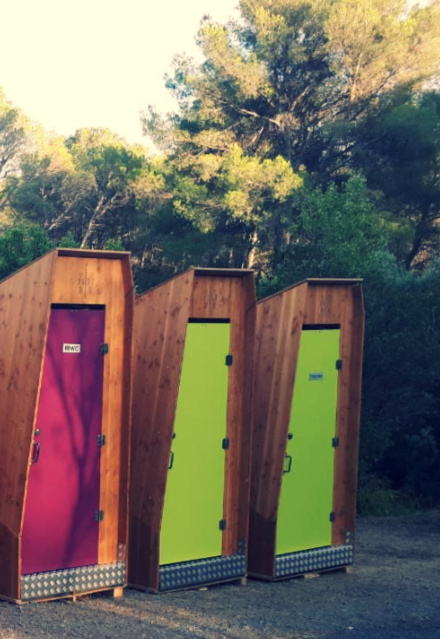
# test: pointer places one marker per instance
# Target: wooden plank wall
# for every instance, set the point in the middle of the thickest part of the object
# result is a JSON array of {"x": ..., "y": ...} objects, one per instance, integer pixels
[
  {"x": 160, "y": 319},
  {"x": 277, "y": 337},
  {"x": 89, "y": 281},
  {"x": 346, "y": 466},
  {"x": 24, "y": 314},
  {"x": 279, "y": 323},
  {"x": 124, "y": 483},
  {"x": 220, "y": 297}
]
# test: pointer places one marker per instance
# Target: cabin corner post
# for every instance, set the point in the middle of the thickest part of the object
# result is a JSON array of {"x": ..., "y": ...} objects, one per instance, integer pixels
[
  {"x": 125, "y": 453},
  {"x": 354, "y": 414},
  {"x": 245, "y": 493}
]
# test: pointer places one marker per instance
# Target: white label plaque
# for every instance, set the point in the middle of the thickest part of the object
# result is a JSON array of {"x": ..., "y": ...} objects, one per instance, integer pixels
[{"x": 71, "y": 348}]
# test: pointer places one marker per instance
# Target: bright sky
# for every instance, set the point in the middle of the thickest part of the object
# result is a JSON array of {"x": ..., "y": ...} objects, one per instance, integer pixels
[{"x": 70, "y": 64}]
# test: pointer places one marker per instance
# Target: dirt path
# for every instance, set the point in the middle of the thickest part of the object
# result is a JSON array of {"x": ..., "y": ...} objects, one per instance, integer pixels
[{"x": 392, "y": 592}]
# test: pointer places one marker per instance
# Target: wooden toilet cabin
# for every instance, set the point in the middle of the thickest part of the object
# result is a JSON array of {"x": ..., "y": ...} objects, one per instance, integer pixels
[
  {"x": 308, "y": 362},
  {"x": 192, "y": 371},
  {"x": 65, "y": 360}
]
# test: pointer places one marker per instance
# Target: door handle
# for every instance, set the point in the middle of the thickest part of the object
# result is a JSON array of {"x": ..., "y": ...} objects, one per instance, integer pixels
[
  {"x": 289, "y": 464},
  {"x": 171, "y": 461},
  {"x": 35, "y": 452}
]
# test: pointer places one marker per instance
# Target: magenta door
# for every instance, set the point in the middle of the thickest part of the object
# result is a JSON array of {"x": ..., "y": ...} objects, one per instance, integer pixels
[{"x": 60, "y": 528}]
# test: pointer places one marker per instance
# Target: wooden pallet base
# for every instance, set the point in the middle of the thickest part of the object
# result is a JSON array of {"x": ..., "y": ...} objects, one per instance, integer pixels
[
  {"x": 116, "y": 593},
  {"x": 318, "y": 573},
  {"x": 242, "y": 581},
  {"x": 305, "y": 575}
]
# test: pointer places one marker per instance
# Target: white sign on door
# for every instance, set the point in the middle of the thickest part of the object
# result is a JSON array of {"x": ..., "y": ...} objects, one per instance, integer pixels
[{"x": 71, "y": 348}]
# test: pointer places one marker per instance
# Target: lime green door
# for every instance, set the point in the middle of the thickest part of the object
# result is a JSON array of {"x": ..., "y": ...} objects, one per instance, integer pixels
[
  {"x": 306, "y": 498},
  {"x": 195, "y": 483}
]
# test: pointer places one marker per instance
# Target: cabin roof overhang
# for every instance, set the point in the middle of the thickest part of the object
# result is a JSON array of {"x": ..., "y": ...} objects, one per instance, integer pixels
[
  {"x": 223, "y": 272},
  {"x": 77, "y": 252},
  {"x": 203, "y": 272},
  {"x": 317, "y": 281}
]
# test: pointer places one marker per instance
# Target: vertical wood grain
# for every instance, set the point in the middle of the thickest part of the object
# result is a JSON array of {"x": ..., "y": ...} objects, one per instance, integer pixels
[
  {"x": 345, "y": 489},
  {"x": 278, "y": 332},
  {"x": 279, "y": 322},
  {"x": 125, "y": 452},
  {"x": 24, "y": 314},
  {"x": 160, "y": 320}
]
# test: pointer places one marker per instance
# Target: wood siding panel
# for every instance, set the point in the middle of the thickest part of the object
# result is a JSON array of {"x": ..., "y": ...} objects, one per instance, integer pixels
[
  {"x": 346, "y": 469},
  {"x": 9, "y": 553},
  {"x": 24, "y": 314},
  {"x": 278, "y": 332},
  {"x": 323, "y": 303},
  {"x": 91, "y": 281},
  {"x": 24, "y": 309},
  {"x": 124, "y": 489},
  {"x": 161, "y": 316},
  {"x": 248, "y": 377},
  {"x": 160, "y": 319}
]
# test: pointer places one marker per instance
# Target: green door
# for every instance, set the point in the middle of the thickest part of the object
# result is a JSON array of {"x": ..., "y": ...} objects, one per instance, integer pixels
[
  {"x": 195, "y": 483},
  {"x": 306, "y": 498}
]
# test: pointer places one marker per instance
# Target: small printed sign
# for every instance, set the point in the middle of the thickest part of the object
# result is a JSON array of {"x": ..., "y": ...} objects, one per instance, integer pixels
[
  {"x": 316, "y": 377},
  {"x": 71, "y": 348}
]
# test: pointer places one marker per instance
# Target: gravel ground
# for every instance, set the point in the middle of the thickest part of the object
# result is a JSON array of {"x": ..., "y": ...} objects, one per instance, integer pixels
[{"x": 391, "y": 592}]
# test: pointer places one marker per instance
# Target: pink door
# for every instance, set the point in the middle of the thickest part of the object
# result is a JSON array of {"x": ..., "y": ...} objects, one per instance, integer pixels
[{"x": 62, "y": 506}]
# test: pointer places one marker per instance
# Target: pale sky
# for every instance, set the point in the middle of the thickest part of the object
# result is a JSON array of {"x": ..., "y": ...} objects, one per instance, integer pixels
[
  {"x": 96, "y": 63},
  {"x": 70, "y": 64}
]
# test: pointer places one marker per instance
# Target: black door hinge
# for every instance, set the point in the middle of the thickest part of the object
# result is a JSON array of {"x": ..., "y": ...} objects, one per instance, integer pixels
[
  {"x": 225, "y": 443},
  {"x": 339, "y": 364},
  {"x": 335, "y": 442},
  {"x": 100, "y": 440},
  {"x": 332, "y": 517},
  {"x": 103, "y": 349},
  {"x": 99, "y": 515},
  {"x": 228, "y": 360},
  {"x": 222, "y": 524}
]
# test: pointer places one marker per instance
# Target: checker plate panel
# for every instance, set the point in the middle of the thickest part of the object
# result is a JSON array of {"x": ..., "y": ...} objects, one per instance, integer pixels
[
  {"x": 73, "y": 580},
  {"x": 193, "y": 573},
  {"x": 297, "y": 563}
]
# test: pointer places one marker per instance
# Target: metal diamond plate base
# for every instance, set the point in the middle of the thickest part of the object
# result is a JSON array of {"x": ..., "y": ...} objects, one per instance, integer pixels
[
  {"x": 194, "y": 573},
  {"x": 297, "y": 563},
  {"x": 73, "y": 580}
]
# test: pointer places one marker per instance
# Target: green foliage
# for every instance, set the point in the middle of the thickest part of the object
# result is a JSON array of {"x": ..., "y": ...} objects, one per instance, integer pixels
[
  {"x": 85, "y": 186},
  {"x": 309, "y": 83},
  {"x": 68, "y": 241},
  {"x": 376, "y": 498},
  {"x": 400, "y": 438},
  {"x": 399, "y": 153},
  {"x": 333, "y": 233},
  {"x": 284, "y": 79},
  {"x": 12, "y": 136},
  {"x": 113, "y": 245},
  {"x": 20, "y": 245}
]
